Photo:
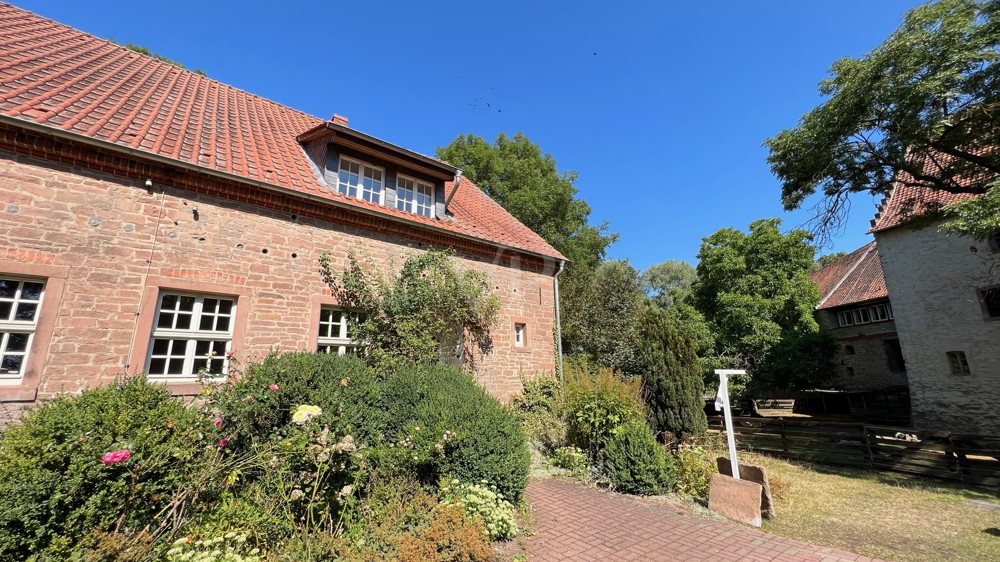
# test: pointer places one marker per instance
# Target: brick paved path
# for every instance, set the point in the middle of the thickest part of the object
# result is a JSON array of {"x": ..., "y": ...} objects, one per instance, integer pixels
[{"x": 574, "y": 522}]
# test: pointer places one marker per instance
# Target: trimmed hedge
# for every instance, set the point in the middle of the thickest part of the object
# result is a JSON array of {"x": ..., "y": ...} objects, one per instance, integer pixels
[{"x": 635, "y": 463}]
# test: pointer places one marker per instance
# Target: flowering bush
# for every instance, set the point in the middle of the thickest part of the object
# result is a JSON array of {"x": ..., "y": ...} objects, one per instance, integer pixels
[
  {"x": 304, "y": 413},
  {"x": 482, "y": 501},
  {"x": 109, "y": 459}
]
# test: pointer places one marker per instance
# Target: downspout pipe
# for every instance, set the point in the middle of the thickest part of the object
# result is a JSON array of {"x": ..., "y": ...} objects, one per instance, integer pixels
[{"x": 559, "y": 351}]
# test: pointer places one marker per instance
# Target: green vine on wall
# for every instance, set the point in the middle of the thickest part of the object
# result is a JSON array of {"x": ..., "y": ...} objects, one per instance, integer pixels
[{"x": 428, "y": 310}]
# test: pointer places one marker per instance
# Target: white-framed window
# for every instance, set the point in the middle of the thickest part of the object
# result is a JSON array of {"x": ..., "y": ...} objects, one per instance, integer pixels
[
  {"x": 335, "y": 332},
  {"x": 520, "y": 334},
  {"x": 414, "y": 196},
  {"x": 192, "y": 335},
  {"x": 360, "y": 180},
  {"x": 20, "y": 305},
  {"x": 958, "y": 363},
  {"x": 865, "y": 315}
]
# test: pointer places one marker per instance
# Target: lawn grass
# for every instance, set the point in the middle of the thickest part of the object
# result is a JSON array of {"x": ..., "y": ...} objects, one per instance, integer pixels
[{"x": 881, "y": 514}]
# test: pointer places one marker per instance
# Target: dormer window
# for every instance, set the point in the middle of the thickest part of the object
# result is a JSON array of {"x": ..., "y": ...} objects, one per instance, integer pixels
[
  {"x": 360, "y": 180},
  {"x": 414, "y": 196}
]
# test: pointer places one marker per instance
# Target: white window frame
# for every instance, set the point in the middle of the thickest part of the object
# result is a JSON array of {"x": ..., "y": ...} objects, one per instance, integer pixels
[
  {"x": 520, "y": 334},
  {"x": 864, "y": 315},
  {"x": 411, "y": 205},
  {"x": 334, "y": 336},
  {"x": 958, "y": 363},
  {"x": 190, "y": 338},
  {"x": 10, "y": 326},
  {"x": 363, "y": 167}
]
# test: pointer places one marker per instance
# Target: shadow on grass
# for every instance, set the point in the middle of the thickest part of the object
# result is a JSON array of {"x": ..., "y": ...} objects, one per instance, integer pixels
[
  {"x": 992, "y": 531},
  {"x": 896, "y": 479}
]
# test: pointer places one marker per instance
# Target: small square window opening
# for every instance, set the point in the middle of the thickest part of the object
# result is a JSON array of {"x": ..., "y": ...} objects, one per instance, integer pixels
[
  {"x": 958, "y": 363},
  {"x": 519, "y": 334}
]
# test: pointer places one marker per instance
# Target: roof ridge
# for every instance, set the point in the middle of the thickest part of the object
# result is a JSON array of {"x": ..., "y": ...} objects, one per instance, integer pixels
[{"x": 870, "y": 247}]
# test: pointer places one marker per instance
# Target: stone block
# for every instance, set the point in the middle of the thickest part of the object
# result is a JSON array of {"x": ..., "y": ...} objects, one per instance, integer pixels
[
  {"x": 738, "y": 500},
  {"x": 756, "y": 474}
]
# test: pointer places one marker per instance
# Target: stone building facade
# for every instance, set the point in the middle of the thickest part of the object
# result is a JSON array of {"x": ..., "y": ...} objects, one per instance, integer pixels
[
  {"x": 948, "y": 322},
  {"x": 855, "y": 308},
  {"x": 155, "y": 221}
]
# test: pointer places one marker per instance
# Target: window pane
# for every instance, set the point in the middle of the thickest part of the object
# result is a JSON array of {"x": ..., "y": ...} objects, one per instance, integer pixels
[
  {"x": 176, "y": 367},
  {"x": 209, "y": 306},
  {"x": 26, "y": 311},
  {"x": 160, "y": 347},
  {"x": 17, "y": 342},
  {"x": 157, "y": 367},
  {"x": 183, "y": 322},
  {"x": 187, "y": 303},
  {"x": 207, "y": 322},
  {"x": 31, "y": 291},
  {"x": 201, "y": 348},
  {"x": 225, "y": 306},
  {"x": 8, "y": 288},
  {"x": 5, "y": 308},
  {"x": 11, "y": 364},
  {"x": 166, "y": 320},
  {"x": 169, "y": 302},
  {"x": 991, "y": 298},
  {"x": 864, "y": 315},
  {"x": 222, "y": 324}
]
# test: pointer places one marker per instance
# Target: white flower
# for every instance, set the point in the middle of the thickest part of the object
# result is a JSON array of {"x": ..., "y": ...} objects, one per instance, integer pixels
[{"x": 304, "y": 413}]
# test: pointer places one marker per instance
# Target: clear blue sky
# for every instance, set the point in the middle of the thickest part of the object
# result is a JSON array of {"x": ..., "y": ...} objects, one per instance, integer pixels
[{"x": 661, "y": 107}]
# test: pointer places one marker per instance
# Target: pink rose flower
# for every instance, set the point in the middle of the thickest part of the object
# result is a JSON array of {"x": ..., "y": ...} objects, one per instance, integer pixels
[
  {"x": 230, "y": 353},
  {"x": 112, "y": 457},
  {"x": 223, "y": 442},
  {"x": 274, "y": 388},
  {"x": 218, "y": 423}
]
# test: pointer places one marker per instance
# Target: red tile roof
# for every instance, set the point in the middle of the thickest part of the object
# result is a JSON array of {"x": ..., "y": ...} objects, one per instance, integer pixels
[
  {"x": 59, "y": 77},
  {"x": 910, "y": 200},
  {"x": 854, "y": 278}
]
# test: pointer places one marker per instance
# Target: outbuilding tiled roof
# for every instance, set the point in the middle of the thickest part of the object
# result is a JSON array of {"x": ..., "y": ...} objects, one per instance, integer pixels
[
  {"x": 60, "y": 77},
  {"x": 854, "y": 278}
]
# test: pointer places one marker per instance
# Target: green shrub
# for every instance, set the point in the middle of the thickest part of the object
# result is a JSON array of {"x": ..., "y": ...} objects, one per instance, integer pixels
[
  {"x": 571, "y": 459},
  {"x": 634, "y": 462},
  {"x": 694, "y": 468},
  {"x": 541, "y": 410},
  {"x": 54, "y": 488},
  {"x": 261, "y": 401},
  {"x": 230, "y": 547},
  {"x": 597, "y": 403},
  {"x": 444, "y": 424},
  {"x": 484, "y": 503}
]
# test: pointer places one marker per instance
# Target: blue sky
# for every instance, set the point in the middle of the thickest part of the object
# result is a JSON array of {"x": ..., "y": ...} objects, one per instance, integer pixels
[{"x": 661, "y": 107}]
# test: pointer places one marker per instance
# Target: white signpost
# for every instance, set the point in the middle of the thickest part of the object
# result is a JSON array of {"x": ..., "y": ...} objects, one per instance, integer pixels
[{"x": 722, "y": 403}]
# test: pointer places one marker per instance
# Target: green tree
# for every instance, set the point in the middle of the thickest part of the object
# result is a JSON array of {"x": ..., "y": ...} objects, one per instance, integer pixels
[
  {"x": 661, "y": 281},
  {"x": 754, "y": 290},
  {"x": 422, "y": 313},
  {"x": 826, "y": 260},
  {"x": 604, "y": 319},
  {"x": 920, "y": 109},
  {"x": 671, "y": 377},
  {"x": 526, "y": 182}
]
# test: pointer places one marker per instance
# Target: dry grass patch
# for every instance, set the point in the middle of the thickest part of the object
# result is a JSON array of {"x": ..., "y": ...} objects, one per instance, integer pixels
[{"x": 882, "y": 515}]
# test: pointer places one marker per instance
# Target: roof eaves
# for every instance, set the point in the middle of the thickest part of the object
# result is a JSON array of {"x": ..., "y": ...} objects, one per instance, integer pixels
[{"x": 140, "y": 153}]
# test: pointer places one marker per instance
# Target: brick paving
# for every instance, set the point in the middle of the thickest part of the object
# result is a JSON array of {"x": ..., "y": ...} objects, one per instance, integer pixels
[{"x": 571, "y": 521}]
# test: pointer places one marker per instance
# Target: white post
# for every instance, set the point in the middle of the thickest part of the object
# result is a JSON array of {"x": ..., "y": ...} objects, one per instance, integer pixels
[{"x": 722, "y": 402}]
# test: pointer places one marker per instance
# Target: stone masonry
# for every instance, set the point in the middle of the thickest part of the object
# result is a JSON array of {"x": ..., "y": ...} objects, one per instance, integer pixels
[
  {"x": 94, "y": 232},
  {"x": 933, "y": 279}
]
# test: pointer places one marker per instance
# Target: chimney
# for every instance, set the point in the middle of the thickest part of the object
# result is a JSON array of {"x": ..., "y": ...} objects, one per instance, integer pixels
[{"x": 339, "y": 120}]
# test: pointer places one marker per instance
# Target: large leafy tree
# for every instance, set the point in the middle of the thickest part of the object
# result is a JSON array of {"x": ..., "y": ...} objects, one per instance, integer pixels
[
  {"x": 754, "y": 290},
  {"x": 519, "y": 176},
  {"x": 921, "y": 108},
  {"x": 663, "y": 281}
]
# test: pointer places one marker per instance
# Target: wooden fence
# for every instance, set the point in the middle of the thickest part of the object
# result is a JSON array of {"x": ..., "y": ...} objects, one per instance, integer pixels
[{"x": 971, "y": 459}]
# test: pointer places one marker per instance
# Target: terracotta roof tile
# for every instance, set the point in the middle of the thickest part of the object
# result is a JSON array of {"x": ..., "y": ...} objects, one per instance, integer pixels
[
  {"x": 854, "y": 278},
  {"x": 54, "y": 75}
]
